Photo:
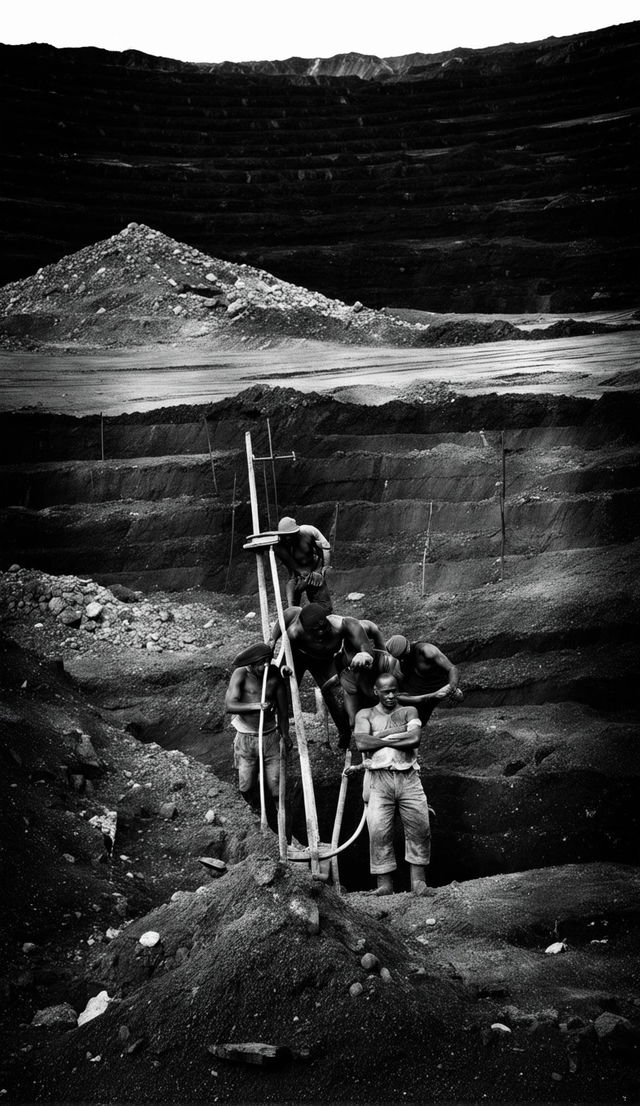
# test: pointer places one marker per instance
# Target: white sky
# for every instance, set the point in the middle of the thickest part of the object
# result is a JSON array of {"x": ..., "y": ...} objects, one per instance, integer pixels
[{"x": 251, "y": 30}]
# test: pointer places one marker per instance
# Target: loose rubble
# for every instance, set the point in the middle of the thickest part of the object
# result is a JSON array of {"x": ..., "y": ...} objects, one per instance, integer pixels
[
  {"x": 75, "y": 614},
  {"x": 141, "y": 287}
]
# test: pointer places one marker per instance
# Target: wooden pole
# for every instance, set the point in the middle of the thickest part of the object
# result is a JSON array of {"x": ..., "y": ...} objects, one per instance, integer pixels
[
  {"x": 334, "y": 530},
  {"x": 503, "y": 493},
  {"x": 213, "y": 468},
  {"x": 337, "y": 824},
  {"x": 427, "y": 546},
  {"x": 255, "y": 521},
  {"x": 282, "y": 798},
  {"x": 266, "y": 493},
  {"x": 233, "y": 527},
  {"x": 310, "y": 811},
  {"x": 263, "y": 806},
  {"x": 273, "y": 473}
]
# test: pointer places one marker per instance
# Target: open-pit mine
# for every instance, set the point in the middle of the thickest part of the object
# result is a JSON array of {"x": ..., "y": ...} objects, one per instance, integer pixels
[{"x": 478, "y": 478}]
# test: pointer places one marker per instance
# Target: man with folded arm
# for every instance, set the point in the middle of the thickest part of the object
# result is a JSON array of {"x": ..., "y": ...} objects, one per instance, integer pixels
[{"x": 388, "y": 735}]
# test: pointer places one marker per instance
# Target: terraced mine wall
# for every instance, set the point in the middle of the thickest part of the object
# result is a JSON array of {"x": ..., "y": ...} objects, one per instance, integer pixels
[
  {"x": 158, "y": 510},
  {"x": 540, "y": 764},
  {"x": 493, "y": 180}
]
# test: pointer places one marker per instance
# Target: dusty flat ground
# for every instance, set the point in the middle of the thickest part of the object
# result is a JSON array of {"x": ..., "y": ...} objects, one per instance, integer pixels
[{"x": 142, "y": 379}]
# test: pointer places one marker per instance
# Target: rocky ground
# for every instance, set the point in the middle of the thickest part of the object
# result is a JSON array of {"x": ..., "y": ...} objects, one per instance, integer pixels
[
  {"x": 515, "y": 987},
  {"x": 54, "y": 614}
]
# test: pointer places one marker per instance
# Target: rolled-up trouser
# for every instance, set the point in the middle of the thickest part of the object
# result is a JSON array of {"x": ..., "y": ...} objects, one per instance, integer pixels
[
  {"x": 388, "y": 789},
  {"x": 247, "y": 761}
]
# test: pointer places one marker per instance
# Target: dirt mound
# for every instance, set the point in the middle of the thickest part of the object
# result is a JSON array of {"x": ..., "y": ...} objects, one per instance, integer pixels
[
  {"x": 288, "y": 950},
  {"x": 469, "y": 333},
  {"x": 140, "y": 286},
  {"x": 95, "y": 828},
  {"x": 361, "y": 1009}
]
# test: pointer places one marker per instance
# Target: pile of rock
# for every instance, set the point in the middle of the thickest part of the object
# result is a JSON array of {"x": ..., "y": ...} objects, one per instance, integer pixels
[
  {"x": 70, "y": 611},
  {"x": 161, "y": 289}
]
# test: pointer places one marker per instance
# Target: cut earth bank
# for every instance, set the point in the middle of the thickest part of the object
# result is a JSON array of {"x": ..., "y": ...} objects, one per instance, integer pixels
[{"x": 534, "y": 779}]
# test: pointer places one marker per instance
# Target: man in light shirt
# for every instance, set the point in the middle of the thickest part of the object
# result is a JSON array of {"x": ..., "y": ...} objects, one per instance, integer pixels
[{"x": 388, "y": 735}]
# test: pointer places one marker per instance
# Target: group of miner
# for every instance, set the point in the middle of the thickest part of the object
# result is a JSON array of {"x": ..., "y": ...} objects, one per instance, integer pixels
[{"x": 380, "y": 694}]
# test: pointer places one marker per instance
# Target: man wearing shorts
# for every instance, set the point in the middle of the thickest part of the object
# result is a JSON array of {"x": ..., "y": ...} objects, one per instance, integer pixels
[
  {"x": 245, "y": 704},
  {"x": 388, "y": 736}
]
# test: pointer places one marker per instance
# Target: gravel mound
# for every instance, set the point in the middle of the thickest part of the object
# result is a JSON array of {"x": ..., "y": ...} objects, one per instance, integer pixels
[
  {"x": 140, "y": 287},
  {"x": 72, "y": 614}
]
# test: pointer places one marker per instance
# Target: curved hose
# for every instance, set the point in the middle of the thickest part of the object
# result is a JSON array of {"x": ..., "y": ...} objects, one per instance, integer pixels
[{"x": 341, "y": 848}]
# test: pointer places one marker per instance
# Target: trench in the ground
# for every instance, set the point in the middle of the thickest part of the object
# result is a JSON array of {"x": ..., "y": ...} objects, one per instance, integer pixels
[{"x": 482, "y": 825}]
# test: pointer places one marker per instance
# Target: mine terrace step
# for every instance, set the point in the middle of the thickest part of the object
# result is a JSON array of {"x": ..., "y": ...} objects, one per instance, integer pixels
[
  {"x": 148, "y": 478},
  {"x": 341, "y": 429},
  {"x": 604, "y": 677}
]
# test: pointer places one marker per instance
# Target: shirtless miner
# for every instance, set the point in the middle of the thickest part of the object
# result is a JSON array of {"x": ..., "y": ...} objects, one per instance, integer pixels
[
  {"x": 427, "y": 679},
  {"x": 244, "y": 702},
  {"x": 307, "y": 554},
  {"x": 322, "y": 644}
]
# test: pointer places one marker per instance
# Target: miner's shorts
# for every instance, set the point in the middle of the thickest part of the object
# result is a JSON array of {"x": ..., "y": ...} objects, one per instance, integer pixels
[
  {"x": 391, "y": 790},
  {"x": 246, "y": 760}
]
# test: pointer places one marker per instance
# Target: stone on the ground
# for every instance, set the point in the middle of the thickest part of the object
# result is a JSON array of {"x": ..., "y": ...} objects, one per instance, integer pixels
[
  {"x": 616, "y": 1030},
  {"x": 149, "y": 939},
  {"x": 93, "y": 610},
  {"x": 62, "y": 1016},
  {"x": 95, "y": 1006},
  {"x": 370, "y": 963},
  {"x": 356, "y": 990},
  {"x": 306, "y": 912},
  {"x": 107, "y": 823},
  {"x": 253, "y": 1052},
  {"x": 168, "y": 811},
  {"x": 70, "y": 616},
  {"x": 214, "y": 866},
  {"x": 266, "y": 873}
]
